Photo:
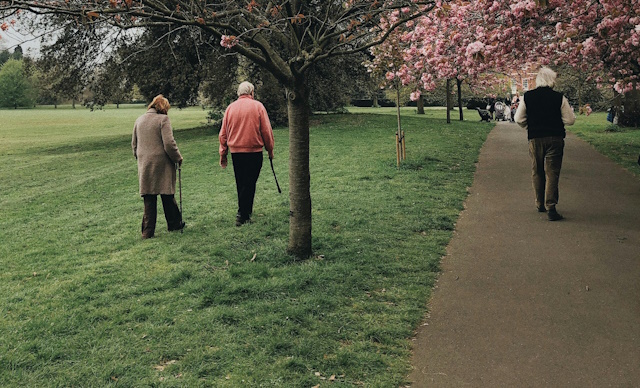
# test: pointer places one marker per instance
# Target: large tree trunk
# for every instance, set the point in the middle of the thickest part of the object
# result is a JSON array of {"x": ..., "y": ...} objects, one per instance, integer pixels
[
  {"x": 420, "y": 105},
  {"x": 459, "y": 82},
  {"x": 631, "y": 115},
  {"x": 299, "y": 175}
]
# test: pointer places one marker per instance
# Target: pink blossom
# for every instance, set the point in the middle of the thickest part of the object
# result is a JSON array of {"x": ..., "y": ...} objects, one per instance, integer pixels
[
  {"x": 228, "y": 41},
  {"x": 475, "y": 48},
  {"x": 488, "y": 36}
]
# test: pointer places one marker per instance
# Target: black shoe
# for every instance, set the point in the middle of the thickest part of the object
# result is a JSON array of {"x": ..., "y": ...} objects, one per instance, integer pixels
[
  {"x": 241, "y": 221},
  {"x": 554, "y": 215},
  {"x": 541, "y": 209},
  {"x": 180, "y": 227}
]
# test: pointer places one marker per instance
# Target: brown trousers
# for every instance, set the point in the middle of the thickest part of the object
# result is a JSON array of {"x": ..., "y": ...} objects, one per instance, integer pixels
[
  {"x": 171, "y": 214},
  {"x": 546, "y": 161}
]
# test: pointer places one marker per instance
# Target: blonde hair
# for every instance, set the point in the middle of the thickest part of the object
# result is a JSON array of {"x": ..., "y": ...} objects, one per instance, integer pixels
[
  {"x": 245, "y": 88},
  {"x": 160, "y": 104},
  {"x": 546, "y": 77}
]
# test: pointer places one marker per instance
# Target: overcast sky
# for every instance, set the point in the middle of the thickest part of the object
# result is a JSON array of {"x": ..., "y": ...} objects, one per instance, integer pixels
[{"x": 10, "y": 38}]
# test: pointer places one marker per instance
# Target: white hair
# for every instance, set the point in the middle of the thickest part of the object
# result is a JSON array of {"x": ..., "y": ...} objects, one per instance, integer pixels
[
  {"x": 245, "y": 88},
  {"x": 546, "y": 77}
]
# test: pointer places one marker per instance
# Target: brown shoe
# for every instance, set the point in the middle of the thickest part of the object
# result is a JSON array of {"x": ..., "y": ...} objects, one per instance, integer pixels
[{"x": 553, "y": 215}]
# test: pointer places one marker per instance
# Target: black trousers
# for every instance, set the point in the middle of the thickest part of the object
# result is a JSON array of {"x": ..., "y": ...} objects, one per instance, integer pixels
[
  {"x": 246, "y": 168},
  {"x": 171, "y": 213}
]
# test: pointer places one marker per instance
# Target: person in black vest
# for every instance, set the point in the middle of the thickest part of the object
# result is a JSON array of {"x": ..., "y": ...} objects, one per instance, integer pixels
[{"x": 544, "y": 112}]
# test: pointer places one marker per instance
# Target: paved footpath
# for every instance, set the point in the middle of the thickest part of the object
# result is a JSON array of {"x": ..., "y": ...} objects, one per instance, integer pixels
[{"x": 524, "y": 302}]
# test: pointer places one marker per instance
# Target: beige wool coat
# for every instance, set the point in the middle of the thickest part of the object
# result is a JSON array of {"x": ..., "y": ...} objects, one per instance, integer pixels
[{"x": 157, "y": 153}]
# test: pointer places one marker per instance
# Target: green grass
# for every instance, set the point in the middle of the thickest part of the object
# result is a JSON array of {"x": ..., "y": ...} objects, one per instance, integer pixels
[
  {"x": 622, "y": 145},
  {"x": 86, "y": 302}
]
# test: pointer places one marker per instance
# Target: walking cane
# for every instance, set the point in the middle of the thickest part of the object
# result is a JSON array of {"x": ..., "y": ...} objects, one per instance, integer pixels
[
  {"x": 274, "y": 175},
  {"x": 180, "y": 187}
]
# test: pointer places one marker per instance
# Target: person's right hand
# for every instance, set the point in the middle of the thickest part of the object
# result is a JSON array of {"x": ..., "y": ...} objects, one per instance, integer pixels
[{"x": 223, "y": 161}]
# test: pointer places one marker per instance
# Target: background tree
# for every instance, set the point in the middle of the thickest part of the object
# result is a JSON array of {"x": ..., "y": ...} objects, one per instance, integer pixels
[
  {"x": 16, "y": 89},
  {"x": 165, "y": 61},
  {"x": 17, "y": 53},
  {"x": 581, "y": 88},
  {"x": 337, "y": 80},
  {"x": 70, "y": 61},
  {"x": 109, "y": 84},
  {"x": 5, "y": 55},
  {"x": 286, "y": 38},
  {"x": 47, "y": 83}
]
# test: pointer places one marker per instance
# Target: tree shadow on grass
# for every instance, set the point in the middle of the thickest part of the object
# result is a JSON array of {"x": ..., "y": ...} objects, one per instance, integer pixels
[{"x": 112, "y": 143}]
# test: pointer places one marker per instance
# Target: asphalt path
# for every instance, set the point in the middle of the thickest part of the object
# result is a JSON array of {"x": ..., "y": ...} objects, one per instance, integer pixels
[{"x": 525, "y": 302}]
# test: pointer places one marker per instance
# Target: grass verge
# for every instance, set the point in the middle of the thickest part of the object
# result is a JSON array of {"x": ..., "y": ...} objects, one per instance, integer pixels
[
  {"x": 86, "y": 302},
  {"x": 622, "y": 145}
]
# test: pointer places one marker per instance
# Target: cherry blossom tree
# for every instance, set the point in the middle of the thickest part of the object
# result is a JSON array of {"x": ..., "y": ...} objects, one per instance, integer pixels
[
  {"x": 440, "y": 45},
  {"x": 285, "y": 37},
  {"x": 472, "y": 39},
  {"x": 597, "y": 37}
]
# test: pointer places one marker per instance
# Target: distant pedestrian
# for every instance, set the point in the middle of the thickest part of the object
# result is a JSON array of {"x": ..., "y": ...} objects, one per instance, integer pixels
[
  {"x": 585, "y": 110},
  {"x": 157, "y": 153},
  {"x": 544, "y": 113},
  {"x": 612, "y": 117},
  {"x": 245, "y": 131},
  {"x": 491, "y": 106}
]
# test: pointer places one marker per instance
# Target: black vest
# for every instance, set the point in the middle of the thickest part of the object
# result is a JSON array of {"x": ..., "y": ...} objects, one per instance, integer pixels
[{"x": 544, "y": 114}]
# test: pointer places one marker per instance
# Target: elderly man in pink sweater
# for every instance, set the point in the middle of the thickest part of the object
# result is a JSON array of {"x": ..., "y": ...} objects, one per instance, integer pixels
[{"x": 245, "y": 131}]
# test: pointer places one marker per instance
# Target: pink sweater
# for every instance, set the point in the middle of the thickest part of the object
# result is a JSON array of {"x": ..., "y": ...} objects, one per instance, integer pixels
[{"x": 246, "y": 127}]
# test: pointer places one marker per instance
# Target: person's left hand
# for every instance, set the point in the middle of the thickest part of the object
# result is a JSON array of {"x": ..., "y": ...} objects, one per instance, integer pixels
[{"x": 223, "y": 161}]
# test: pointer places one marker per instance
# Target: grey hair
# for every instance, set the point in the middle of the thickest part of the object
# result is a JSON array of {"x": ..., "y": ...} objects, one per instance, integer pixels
[
  {"x": 245, "y": 88},
  {"x": 546, "y": 77}
]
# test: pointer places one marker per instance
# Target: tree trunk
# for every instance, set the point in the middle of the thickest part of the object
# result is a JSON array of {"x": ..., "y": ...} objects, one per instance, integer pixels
[
  {"x": 579, "y": 89},
  {"x": 299, "y": 175},
  {"x": 459, "y": 82},
  {"x": 375, "y": 101},
  {"x": 420, "y": 105},
  {"x": 448, "y": 101},
  {"x": 630, "y": 117}
]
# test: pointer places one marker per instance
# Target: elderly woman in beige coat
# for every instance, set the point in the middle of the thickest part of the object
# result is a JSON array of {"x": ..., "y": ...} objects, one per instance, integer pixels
[{"x": 157, "y": 153}]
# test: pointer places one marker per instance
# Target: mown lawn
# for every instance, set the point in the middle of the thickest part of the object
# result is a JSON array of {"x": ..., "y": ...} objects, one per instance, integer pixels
[
  {"x": 622, "y": 145},
  {"x": 85, "y": 302}
]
